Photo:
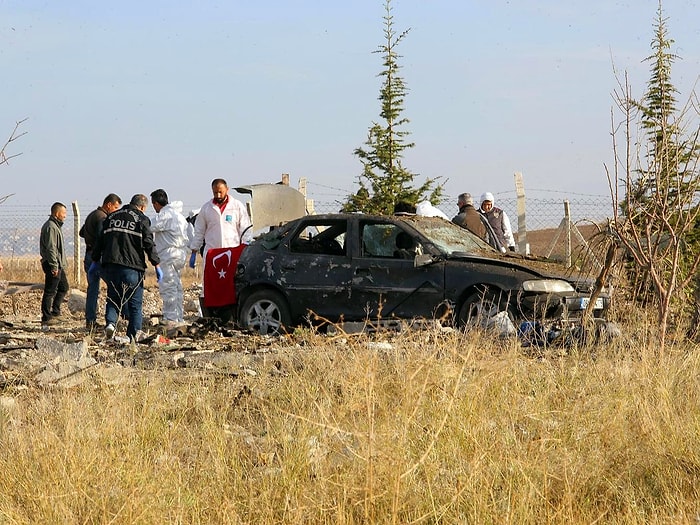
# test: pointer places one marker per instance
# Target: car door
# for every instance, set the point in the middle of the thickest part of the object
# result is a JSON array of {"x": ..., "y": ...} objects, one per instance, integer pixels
[
  {"x": 316, "y": 271},
  {"x": 385, "y": 282}
]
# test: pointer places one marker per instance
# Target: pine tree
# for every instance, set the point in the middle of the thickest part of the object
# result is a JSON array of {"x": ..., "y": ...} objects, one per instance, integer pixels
[
  {"x": 660, "y": 175},
  {"x": 384, "y": 180},
  {"x": 669, "y": 153}
]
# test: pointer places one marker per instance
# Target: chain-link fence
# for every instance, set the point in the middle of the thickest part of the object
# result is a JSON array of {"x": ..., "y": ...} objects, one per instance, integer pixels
[
  {"x": 547, "y": 232},
  {"x": 540, "y": 213},
  {"x": 561, "y": 228},
  {"x": 20, "y": 225}
]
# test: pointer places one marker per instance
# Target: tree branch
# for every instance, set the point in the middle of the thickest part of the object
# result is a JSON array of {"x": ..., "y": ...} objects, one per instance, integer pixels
[{"x": 4, "y": 157}]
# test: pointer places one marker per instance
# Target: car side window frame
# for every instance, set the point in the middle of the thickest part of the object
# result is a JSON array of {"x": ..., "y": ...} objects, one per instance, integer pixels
[
  {"x": 320, "y": 237},
  {"x": 378, "y": 240}
]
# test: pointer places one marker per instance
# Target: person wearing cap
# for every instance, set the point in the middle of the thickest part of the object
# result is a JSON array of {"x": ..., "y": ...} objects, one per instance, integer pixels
[
  {"x": 468, "y": 217},
  {"x": 499, "y": 221}
]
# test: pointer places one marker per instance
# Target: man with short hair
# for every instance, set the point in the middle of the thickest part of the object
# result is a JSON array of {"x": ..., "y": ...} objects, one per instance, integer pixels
[
  {"x": 90, "y": 231},
  {"x": 169, "y": 229},
  {"x": 468, "y": 217},
  {"x": 222, "y": 222},
  {"x": 53, "y": 263},
  {"x": 125, "y": 243}
]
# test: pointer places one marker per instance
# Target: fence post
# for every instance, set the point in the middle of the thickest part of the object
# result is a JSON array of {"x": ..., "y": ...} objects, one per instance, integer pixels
[
  {"x": 77, "y": 262},
  {"x": 567, "y": 218},
  {"x": 309, "y": 202},
  {"x": 564, "y": 226},
  {"x": 522, "y": 227}
]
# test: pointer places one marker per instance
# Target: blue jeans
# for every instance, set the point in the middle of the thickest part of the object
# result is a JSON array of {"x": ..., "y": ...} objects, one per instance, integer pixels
[
  {"x": 124, "y": 292},
  {"x": 93, "y": 291}
]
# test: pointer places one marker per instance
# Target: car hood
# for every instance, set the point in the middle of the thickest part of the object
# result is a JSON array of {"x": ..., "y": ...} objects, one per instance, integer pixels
[{"x": 538, "y": 267}]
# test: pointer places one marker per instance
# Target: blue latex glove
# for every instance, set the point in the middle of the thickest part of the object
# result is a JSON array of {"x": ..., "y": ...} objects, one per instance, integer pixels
[
  {"x": 94, "y": 267},
  {"x": 159, "y": 273},
  {"x": 193, "y": 259}
]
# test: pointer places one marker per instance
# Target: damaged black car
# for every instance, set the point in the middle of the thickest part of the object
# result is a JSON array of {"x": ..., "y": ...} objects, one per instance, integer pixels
[{"x": 340, "y": 268}]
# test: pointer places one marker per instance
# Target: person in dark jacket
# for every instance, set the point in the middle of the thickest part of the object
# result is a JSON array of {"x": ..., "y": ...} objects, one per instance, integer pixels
[
  {"x": 120, "y": 252},
  {"x": 90, "y": 231},
  {"x": 53, "y": 263},
  {"x": 468, "y": 217}
]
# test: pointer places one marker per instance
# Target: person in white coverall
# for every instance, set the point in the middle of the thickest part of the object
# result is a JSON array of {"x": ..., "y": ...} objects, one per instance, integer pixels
[
  {"x": 222, "y": 222},
  {"x": 169, "y": 229},
  {"x": 426, "y": 209},
  {"x": 191, "y": 218}
]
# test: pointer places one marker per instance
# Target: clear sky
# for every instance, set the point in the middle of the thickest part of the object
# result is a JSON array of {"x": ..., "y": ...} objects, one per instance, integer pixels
[{"x": 130, "y": 96}]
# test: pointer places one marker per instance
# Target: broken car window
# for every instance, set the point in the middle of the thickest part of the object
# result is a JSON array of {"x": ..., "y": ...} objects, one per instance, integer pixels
[
  {"x": 320, "y": 238},
  {"x": 447, "y": 236},
  {"x": 388, "y": 240}
]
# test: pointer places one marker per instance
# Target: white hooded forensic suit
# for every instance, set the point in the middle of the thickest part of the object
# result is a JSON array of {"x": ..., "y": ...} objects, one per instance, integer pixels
[{"x": 169, "y": 229}]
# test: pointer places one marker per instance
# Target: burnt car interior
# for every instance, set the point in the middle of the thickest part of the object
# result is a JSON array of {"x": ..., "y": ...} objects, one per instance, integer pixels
[
  {"x": 405, "y": 246},
  {"x": 320, "y": 239},
  {"x": 388, "y": 241}
]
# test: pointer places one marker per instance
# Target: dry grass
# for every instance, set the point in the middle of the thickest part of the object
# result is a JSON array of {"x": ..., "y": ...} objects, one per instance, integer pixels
[
  {"x": 433, "y": 428},
  {"x": 423, "y": 427}
]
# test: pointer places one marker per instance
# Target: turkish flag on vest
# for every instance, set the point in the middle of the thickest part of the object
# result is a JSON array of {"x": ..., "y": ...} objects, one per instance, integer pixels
[{"x": 219, "y": 273}]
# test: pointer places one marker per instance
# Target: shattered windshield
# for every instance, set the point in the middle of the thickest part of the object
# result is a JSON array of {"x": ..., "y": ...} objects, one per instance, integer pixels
[{"x": 447, "y": 236}]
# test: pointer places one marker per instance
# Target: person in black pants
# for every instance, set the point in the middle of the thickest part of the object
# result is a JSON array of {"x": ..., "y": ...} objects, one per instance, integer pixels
[{"x": 53, "y": 263}]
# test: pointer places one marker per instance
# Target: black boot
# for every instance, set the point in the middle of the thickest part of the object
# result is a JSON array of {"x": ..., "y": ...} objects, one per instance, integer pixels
[{"x": 206, "y": 312}]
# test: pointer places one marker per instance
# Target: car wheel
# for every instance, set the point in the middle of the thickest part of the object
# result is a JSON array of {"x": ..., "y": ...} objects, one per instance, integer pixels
[
  {"x": 265, "y": 312},
  {"x": 487, "y": 309}
]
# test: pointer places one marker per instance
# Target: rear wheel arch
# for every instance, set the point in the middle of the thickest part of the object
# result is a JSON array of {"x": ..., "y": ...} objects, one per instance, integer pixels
[{"x": 254, "y": 288}]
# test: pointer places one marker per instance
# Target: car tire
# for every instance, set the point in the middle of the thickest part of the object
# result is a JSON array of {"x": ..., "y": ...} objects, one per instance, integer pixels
[
  {"x": 265, "y": 312},
  {"x": 479, "y": 308}
]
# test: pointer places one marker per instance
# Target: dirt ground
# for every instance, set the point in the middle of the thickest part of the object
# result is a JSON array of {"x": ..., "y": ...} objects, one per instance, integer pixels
[
  {"x": 68, "y": 354},
  {"x": 540, "y": 241}
]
